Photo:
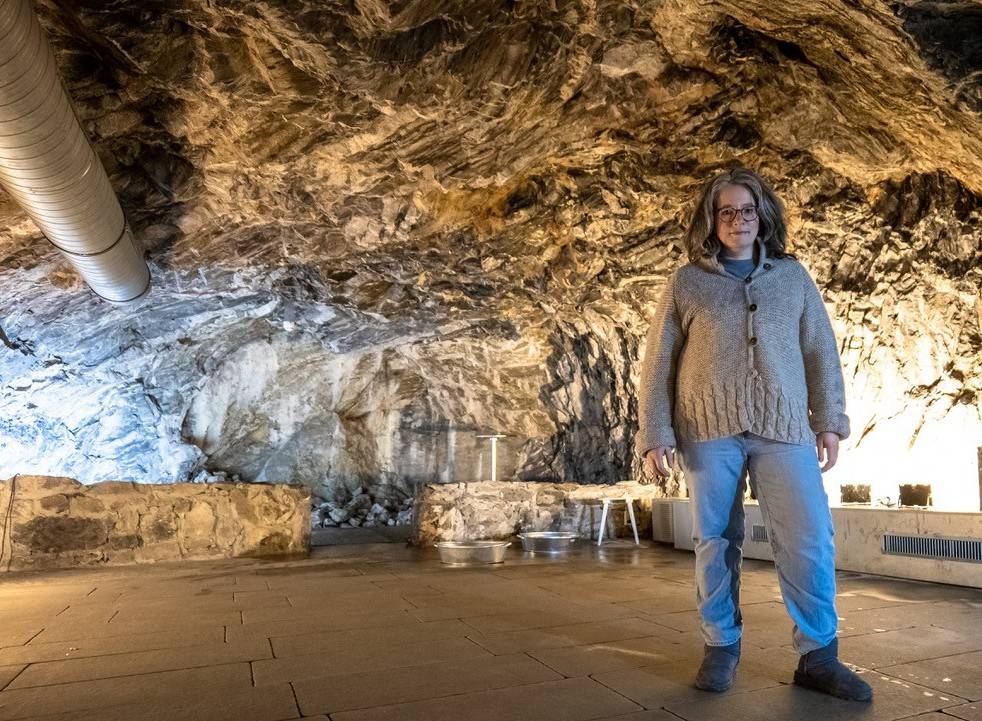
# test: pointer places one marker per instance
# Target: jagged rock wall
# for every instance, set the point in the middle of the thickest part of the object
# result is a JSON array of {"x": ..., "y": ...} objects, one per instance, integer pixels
[{"x": 379, "y": 230}]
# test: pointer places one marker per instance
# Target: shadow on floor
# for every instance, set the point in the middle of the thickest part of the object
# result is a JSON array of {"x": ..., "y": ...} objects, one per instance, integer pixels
[{"x": 350, "y": 536}]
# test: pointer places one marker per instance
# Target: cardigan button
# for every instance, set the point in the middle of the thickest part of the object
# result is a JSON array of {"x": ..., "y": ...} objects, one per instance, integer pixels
[
  {"x": 747, "y": 279},
  {"x": 753, "y": 341},
  {"x": 767, "y": 266},
  {"x": 753, "y": 307}
]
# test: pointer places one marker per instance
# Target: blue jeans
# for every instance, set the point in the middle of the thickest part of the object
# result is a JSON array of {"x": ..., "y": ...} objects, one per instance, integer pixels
[{"x": 787, "y": 481}]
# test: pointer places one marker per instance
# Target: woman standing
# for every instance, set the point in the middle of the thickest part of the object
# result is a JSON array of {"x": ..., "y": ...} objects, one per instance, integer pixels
[{"x": 741, "y": 374}]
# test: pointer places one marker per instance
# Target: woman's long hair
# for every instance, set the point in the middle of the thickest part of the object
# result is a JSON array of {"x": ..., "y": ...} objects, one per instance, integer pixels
[{"x": 700, "y": 238}]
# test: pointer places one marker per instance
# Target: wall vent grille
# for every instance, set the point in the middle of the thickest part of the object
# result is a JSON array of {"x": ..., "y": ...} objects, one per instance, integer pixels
[
  {"x": 758, "y": 534},
  {"x": 939, "y": 547},
  {"x": 662, "y": 522}
]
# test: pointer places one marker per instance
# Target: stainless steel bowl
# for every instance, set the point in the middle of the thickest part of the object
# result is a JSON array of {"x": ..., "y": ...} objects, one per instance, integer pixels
[
  {"x": 547, "y": 541},
  {"x": 469, "y": 553}
]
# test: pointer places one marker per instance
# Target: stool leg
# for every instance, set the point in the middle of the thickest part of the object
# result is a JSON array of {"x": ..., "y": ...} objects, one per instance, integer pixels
[
  {"x": 634, "y": 524},
  {"x": 603, "y": 522}
]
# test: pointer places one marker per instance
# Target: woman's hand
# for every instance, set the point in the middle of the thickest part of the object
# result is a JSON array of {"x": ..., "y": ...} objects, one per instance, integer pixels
[
  {"x": 659, "y": 461},
  {"x": 827, "y": 444}
]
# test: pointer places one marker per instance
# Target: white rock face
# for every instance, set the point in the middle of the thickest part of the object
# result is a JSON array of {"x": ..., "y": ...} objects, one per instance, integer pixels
[
  {"x": 229, "y": 394},
  {"x": 376, "y": 234}
]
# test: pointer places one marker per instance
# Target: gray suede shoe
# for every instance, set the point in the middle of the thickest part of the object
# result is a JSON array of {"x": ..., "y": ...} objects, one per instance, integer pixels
[
  {"x": 718, "y": 667},
  {"x": 821, "y": 670}
]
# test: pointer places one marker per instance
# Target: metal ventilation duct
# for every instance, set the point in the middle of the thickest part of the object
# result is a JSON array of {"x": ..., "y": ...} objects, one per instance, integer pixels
[{"x": 49, "y": 168}]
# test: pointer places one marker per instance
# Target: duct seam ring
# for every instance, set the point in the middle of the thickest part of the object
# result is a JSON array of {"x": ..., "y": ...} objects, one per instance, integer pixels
[
  {"x": 139, "y": 295},
  {"x": 89, "y": 255}
]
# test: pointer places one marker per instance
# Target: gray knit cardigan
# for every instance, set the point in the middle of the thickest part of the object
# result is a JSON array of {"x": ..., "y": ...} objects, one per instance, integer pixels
[{"x": 726, "y": 355}]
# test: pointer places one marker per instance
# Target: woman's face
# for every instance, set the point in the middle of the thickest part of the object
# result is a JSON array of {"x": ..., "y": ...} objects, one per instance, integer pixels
[{"x": 737, "y": 235}]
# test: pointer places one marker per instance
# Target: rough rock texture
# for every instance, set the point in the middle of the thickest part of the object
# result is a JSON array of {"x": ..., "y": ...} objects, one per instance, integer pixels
[
  {"x": 499, "y": 509},
  {"x": 377, "y": 230},
  {"x": 360, "y": 509},
  {"x": 52, "y": 522}
]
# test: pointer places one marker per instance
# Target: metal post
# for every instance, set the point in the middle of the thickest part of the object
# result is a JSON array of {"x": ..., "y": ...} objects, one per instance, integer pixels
[{"x": 494, "y": 452}]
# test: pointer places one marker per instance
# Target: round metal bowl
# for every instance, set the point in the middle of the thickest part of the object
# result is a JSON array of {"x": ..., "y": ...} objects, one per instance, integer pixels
[
  {"x": 469, "y": 553},
  {"x": 547, "y": 541}
]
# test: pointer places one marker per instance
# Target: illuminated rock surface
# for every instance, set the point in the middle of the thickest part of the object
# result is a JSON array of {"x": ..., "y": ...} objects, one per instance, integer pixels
[{"x": 377, "y": 231}]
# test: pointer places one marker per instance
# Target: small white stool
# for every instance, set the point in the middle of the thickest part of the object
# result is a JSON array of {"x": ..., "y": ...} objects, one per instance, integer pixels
[{"x": 629, "y": 502}]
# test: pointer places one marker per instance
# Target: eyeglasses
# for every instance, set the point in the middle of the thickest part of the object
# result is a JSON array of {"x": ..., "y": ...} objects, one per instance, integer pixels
[{"x": 727, "y": 215}]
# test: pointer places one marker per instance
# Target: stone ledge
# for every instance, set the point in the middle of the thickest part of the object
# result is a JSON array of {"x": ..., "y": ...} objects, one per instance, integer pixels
[
  {"x": 499, "y": 509},
  {"x": 55, "y": 522}
]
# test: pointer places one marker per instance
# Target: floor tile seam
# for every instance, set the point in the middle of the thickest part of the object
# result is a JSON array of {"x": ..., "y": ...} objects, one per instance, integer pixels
[
  {"x": 126, "y": 675},
  {"x": 329, "y": 589},
  {"x": 399, "y": 665},
  {"x": 924, "y": 685},
  {"x": 63, "y": 610},
  {"x": 948, "y": 628},
  {"x": 408, "y": 621},
  {"x": 478, "y": 646},
  {"x": 884, "y": 603},
  {"x": 177, "y": 610},
  {"x": 949, "y": 655},
  {"x": 477, "y": 630},
  {"x": 538, "y": 662},
  {"x": 564, "y": 625},
  {"x": 640, "y": 706},
  {"x": 293, "y": 690},
  {"x": 874, "y": 632},
  {"x": 922, "y": 660},
  {"x": 148, "y": 630},
  {"x": 94, "y": 709},
  {"x": 959, "y": 702},
  {"x": 544, "y": 663},
  {"x": 521, "y": 650},
  {"x": 405, "y": 644},
  {"x": 944, "y": 712},
  {"x": 577, "y": 644},
  {"x": 142, "y": 601},
  {"x": 340, "y": 675},
  {"x": 520, "y": 684},
  {"x": 30, "y": 638},
  {"x": 694, "y": 625},
  {"x": 672, "y": 713},
  {"x": 548, "y": 591},
  {"x": 109, "y": 654},
  {"x": 28, "y": 641},
  {"x": 468, "y": 693},
  {"x": 14, "y": 678},
  {"x": 845, "y": 659}
]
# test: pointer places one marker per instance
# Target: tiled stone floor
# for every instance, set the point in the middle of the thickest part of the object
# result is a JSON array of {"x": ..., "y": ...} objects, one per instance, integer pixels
[{"x": 383, "y": 631}]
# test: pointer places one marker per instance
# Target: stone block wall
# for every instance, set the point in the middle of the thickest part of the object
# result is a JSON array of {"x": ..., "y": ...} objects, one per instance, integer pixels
[
  {"x": 55, "y": 522},
  {"x": 499, "y": 509}
]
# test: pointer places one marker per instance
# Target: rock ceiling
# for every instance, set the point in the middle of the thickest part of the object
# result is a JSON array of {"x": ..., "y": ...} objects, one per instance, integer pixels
[{"x": 378, "y": 229}]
